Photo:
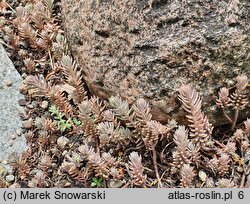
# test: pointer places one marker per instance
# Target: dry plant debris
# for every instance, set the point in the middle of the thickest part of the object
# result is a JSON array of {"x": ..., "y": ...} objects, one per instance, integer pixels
[{"x": 79, "y": 140}]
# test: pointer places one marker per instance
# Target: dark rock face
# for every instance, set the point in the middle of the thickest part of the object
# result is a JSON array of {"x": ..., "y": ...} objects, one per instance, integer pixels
[{"x": 149, "y": 48}]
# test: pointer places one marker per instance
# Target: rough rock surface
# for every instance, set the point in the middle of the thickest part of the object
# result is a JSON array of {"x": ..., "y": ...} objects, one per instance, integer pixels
[
  {"x": 9, "y": 111},
  {"x": 148, "y": 48}
]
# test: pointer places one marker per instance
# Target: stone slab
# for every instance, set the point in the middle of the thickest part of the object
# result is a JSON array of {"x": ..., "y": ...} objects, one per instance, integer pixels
[{"x": 10, "y": 81}]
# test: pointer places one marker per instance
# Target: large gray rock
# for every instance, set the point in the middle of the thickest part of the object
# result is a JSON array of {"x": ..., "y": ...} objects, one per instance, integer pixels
[
  {"x": 149, "y": 48},
  {"x": 9, "y": 108}
]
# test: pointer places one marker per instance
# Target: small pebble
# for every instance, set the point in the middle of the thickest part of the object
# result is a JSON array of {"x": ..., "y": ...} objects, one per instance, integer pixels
[
  {"x": 113, "y": 183},
  {"x": 8, "y": 82},
  {"x": 24, "y": 75},
  {"x": 22, "y": 102},
  {"x": 239, "y": 169},
  {"x": 19, "y": 131},
  {"x": 53, "y": 165},
  {"x": 45, "y": 104},
  {"x": 203, "y": 175},
  {"x": 5, "y": 162},
  {"x": 13, "y": 137},
  {"x": 67, "y": 184},
  {"x": 30, "y": 106},
  {"x": 35, "y": 104},
  {"x": 10, "y": 178},
  {"x": 27, "y": 124}
]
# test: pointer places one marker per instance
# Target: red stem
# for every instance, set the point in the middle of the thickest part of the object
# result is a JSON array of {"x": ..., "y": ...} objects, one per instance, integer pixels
[
  {"x": 155, "y": 167},
  {"x": 235, "y": 119},
  {"x": 226, "y": 116}
]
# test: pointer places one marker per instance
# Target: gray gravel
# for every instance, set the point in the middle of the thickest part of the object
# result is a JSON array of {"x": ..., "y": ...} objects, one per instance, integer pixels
[{"x": 10, "y": 110}]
